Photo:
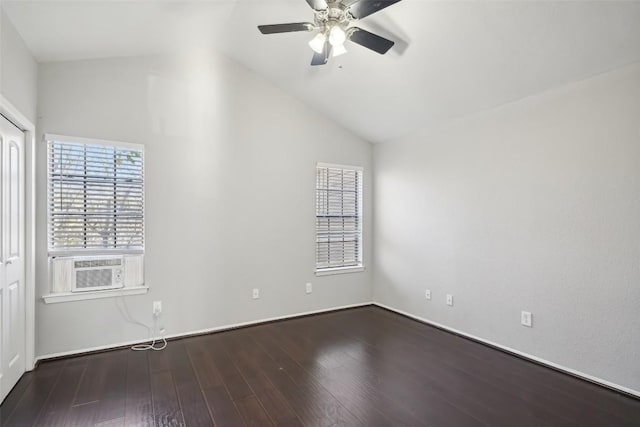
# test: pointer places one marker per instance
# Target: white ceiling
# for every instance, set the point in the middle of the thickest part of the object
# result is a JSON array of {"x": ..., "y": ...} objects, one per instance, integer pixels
[{"x": 451, "y": 58}]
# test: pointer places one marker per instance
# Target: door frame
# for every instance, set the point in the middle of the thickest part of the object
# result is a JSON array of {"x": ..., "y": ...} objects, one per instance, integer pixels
[{"x": 17, "y": 118}]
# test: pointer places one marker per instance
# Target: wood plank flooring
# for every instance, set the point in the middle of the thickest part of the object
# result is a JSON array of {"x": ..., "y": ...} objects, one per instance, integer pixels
[{"x": 358, "y": 367}]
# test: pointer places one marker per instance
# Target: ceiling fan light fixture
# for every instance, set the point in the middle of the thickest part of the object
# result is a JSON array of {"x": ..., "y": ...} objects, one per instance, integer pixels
[
  {"x": 317, "y": 43},
  {"x": 337, "y": 36},
  {"x": 339, "y": 50},
  {"x": 333, "y": 26}
]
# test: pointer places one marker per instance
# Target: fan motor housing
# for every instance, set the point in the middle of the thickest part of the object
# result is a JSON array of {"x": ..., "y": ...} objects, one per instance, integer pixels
[{"x": 336, "y": 13}]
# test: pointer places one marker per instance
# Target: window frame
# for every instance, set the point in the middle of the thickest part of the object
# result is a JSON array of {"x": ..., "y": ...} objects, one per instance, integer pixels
[
  {"x": 49, "y": 138},
  {"x": 327, "y": 271}
]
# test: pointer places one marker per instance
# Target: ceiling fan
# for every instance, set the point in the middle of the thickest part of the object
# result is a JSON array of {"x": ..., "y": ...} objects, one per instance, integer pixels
[{"x": 333, "y": 19}]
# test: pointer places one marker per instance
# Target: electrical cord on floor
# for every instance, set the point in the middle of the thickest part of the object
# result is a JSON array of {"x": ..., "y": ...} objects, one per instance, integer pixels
[{"x": 152, "y": 331}]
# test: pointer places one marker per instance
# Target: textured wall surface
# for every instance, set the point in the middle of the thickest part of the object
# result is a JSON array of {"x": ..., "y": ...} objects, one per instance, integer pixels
[
  {"x": 230, "y": 194},
  {"x": 18, "y": 70},
  {"x": 532, "y": 206}
]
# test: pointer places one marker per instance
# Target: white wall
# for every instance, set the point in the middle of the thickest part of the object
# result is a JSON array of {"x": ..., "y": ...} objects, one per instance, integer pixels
[
  {"x": 18, "y": 70},
  {"x": 532, "y": 206},
  {"x": 230, "y": 184}
]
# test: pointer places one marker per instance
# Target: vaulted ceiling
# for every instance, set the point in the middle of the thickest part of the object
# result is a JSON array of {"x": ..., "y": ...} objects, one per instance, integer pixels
[{"x": 451, "y": 58}]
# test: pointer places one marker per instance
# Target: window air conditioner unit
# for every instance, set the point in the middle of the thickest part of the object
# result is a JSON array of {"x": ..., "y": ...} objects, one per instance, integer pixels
[{"x": 96, "y": 273}]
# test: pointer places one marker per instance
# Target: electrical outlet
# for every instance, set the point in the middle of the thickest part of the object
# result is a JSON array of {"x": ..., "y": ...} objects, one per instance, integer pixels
[
  {"x": 526, "y": 319},
  {"x": 427, "y": 294},
  {"x": 449, "y": 299},
  {"x": 309, "y": 288},
  {"x": 256, "y": 293},
  {"x": 157, "y": 308}
]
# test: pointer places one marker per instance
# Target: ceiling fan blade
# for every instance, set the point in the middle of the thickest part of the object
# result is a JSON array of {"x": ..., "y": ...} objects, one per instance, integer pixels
[
  {"x": 323, "y": 57},
  {"x": 371, "y": 41},
  {"x": 364, "y": 8},
  {"x": 286, "y": 28},
  {"x": 318, "y": 4}
]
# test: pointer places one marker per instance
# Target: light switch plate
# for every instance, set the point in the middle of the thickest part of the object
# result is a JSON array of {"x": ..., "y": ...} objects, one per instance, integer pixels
[{"x": 526, "y": 319}]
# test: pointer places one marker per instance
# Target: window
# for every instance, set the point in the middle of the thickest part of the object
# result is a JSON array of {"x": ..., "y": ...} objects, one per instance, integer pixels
[
  {"x": 338, "y": 218},
  {"x": 95, "y": 196}
]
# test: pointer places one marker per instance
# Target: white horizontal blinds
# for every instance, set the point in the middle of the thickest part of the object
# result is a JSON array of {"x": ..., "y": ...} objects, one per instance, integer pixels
[
  {"x": 96, "y": 196},
  {"x": 338, "y": 217}
]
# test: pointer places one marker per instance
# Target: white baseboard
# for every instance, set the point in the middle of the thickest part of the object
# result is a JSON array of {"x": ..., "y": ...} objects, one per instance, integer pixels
[
  {"x": 197, "y": 332},
  {"x": 524, "y": 355}
]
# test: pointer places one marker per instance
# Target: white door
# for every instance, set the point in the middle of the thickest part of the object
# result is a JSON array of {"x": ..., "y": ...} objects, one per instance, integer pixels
[{"x": 12, "y": 253}]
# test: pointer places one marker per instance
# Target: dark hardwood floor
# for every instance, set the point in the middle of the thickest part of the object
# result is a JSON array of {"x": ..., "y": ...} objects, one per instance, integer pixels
[{"x": 359, "y": 367}]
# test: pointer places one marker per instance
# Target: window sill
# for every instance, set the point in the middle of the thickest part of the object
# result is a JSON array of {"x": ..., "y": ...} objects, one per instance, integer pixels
[
  {"x": 79, "y": 296},
  {"x": 339, "y": 270}
]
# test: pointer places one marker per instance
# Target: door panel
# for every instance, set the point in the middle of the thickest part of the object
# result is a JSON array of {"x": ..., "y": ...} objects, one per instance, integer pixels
[
  {"x": 2, "y": 215},
  {"x": 12, "y": 273},
  {"x": 14, "y": 206},
  {"x": 3, "y": 320},
  {"x": 2, "y": 281},
  {"x": 15, "y": 332}
]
